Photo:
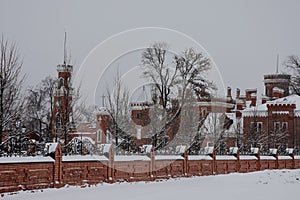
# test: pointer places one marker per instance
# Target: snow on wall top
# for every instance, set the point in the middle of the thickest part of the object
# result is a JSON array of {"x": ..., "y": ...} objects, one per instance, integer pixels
[
  {"x": 199, "y": 157},
  {"x": 284, "y": 158},
  {"x": 225, "y": 157},
  {"x": 86, "y": 158},
  {"x": 244, "y": 157},
  {"x": 131, "y": 158},
  {"x": 267, "y": 158},
  {"x": 168, "y": 157},
  {"x": 297, "y": 157},
  {"x": 31, "y": 159}
]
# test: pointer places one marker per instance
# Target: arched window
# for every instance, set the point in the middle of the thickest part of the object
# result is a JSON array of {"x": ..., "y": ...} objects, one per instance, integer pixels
[
  {"x": 58, "y": 121},
  {"x": 203, "y": 112},
  {"x": 60, "y": 82}
]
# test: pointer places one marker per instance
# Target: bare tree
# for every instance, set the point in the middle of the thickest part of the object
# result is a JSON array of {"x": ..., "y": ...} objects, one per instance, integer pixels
[
  {"x": 293, "y": 63},
  {"x": 11, "y": 82},
  {"x": 214, "y": 129},
  {"x": 118, "y": 101},
  {"x": 192, "y": 67},
  {"x": 39, "y": 104},
  {"x": 156, "y": 68},
  {"x": 187, "y": 72}
]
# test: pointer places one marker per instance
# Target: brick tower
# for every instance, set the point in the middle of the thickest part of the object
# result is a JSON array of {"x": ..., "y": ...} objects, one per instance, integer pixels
[{"x": 62, "y": 117}]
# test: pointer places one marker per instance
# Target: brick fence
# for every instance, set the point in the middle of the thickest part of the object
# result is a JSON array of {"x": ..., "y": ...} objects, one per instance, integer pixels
[{"x": 56, "y": 170}]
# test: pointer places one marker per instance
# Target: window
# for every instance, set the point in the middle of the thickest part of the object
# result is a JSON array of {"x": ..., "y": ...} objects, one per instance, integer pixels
[
  {"x": 58, "y": 121},
  {"x": 61, "y": 82},
  {"x": 138, "y": 132},
  {"x": 284, "y": 126},
  {"x": 99, "y": 135},
  {"x": 203, "y": 112},
  {"x": 259, "y": 127},
  {"x": 252, "y": 126},
  {"x": 139, "y": 115},
  {"x": 276, "y": 126}
]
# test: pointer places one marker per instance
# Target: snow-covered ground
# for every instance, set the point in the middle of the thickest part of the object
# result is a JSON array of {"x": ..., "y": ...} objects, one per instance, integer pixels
[{"x": 275, "y": 184}]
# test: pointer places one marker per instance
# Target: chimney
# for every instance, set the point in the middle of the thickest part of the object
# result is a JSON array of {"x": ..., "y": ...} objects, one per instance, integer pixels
[
  {"x": 229, "y": 93},
  {"x": 263, "y": 99},
  {"x": 238, "y": 93},
  {"x": 239, "y": 108},
  {"x": 253, "y": 99}
]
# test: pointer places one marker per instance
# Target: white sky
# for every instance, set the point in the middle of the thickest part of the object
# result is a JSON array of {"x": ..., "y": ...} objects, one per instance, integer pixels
[{"x": 243, "y": 37}]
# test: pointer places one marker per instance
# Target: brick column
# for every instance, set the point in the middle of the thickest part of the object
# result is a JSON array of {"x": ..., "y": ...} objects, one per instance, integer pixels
[{"x": 57, "y": 179}]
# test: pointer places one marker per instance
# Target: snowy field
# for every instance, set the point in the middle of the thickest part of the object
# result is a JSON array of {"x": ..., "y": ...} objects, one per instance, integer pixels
[{"x": 276, "y": 184}]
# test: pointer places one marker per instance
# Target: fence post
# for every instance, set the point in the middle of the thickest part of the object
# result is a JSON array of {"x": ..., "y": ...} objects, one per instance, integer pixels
[
  {"x": 57, "y": 179},
  {"x": 110, "y": 164}
]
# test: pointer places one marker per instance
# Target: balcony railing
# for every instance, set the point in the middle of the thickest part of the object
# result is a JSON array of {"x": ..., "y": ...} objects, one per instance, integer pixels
[{"x": 64, "y": 68}]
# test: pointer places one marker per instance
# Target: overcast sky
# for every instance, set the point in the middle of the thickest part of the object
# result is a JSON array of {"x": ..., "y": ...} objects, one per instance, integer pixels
[{"x": 242, "y": 37}]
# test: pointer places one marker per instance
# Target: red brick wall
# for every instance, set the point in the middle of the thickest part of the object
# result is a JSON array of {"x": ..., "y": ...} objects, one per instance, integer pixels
[
  {"x": 20, "y": 176},
  {"x": 132, "y": 170},
  {"x": 248, "y": 166},
  {"x": 25, "y": 176},
  {"x": 74, "y": 173},
  {"x": 199, "y": 167}
]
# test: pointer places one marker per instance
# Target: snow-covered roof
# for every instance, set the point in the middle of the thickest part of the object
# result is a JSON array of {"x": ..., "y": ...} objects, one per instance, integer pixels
[
  {"x": 86, "y": 158},
  {"x": 139, "y": 106},
  {"x": 102, "y": 111},
  {"x": 131, "y": 158},
  {"x": 215, "y": 104},
  {"x": 84, "y": 138},
  {"x": 29, "y": 159},
  {"x": 168, "y": 157},
  {"x": 199, "y": 157},
  {"x": 262, "y": 109}
]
